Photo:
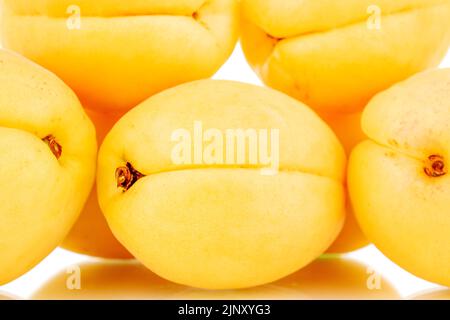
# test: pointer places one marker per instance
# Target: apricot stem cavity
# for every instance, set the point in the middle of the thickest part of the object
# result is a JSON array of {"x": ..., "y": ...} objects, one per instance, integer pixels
[
  {"x": 127, "y": 176},
  {"x": 436, "y": 167},
  {"x": 54, "y": 146}
]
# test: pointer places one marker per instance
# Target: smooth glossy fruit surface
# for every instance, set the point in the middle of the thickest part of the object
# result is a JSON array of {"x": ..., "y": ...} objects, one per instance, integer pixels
[
  {"x": 335, "y": 55},
  {"x": 222, "y": 225},
  {"x": 115, "y": 54},
  {"x": 91, "y": 234},
  {"x": 399, "y": 178},
  {"x": 47, "y": 163}
]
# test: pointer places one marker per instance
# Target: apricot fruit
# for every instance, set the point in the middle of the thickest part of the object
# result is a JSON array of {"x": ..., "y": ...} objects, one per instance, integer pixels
[
  {"x": 115, "y": 54},
  {"x": 91, "y": 234},
  {"x": 335, "y": 55},
  {"x": 216, "y": 223},
  {"x": 348, "y": 130},
  {"x": 399, "y": 177},
  {"x": 47, "y": 163}
]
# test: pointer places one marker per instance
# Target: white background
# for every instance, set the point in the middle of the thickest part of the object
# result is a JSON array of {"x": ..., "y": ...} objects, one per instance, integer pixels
[{"x": 58, "y": 262}]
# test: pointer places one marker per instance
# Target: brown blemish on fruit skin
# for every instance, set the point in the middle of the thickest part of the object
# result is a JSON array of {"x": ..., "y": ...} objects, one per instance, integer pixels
[
  {"x": 54, "y": 146},
  {"x": 393, "y": 143},
  {"x": 390, "y": 154},
  {"x": 127, "y": 176},
  {"x": 436, "y": 167}
]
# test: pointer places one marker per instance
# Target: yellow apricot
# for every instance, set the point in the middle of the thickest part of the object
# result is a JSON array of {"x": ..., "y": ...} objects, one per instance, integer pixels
[
  {"x": 47, "y": 163},
  {"x": 399, "y": 177},
  {"x": 334, "y": 55},
  {"x": 222, "y": 224},
  {"x": 114, "y": 53},
  {"x": 91, "y": 235}
]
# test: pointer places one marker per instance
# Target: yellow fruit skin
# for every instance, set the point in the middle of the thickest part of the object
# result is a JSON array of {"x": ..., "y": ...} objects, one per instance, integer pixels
[
  {"x": 228, "y": 226},
  {"x": 337, "y": 63},
  {"x": 348, "y": 130},
  {"x": 402, "y": 209},
  {"x": 122, "y": 54},
  {"x": 91, "y": 234},
  {"x": 322, "y": 279},
  {"x": 42, "y": 195}
]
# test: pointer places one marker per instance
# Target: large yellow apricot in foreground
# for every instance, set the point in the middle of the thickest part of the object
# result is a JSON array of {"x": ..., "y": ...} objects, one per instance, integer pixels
[
  {"x": 116, "y": 53},
  {"x": 399, "y": 178},
  {"x": 47, "y": 163},
  {"x": 348, "y": 130},
  {"x": 215, "y": 214},
  {"x": 335, "y": 55},
  {"x": 91, "y": 235}
]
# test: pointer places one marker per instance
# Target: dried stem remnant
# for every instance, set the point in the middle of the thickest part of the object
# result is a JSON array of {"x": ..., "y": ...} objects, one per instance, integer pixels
[
  {"x": 54, "y": 146},
  {"x": 127, "y": 176},
  {"x": 436, "y": 167}
]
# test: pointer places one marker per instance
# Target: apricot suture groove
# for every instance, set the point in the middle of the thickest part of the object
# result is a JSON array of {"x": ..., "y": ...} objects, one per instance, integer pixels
[
  {"x": 127, "y": 176},
  {"x": 54, "y": 146},
  {"x": 274, "y": 39},
  {"x": 437, "y": 168}
]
